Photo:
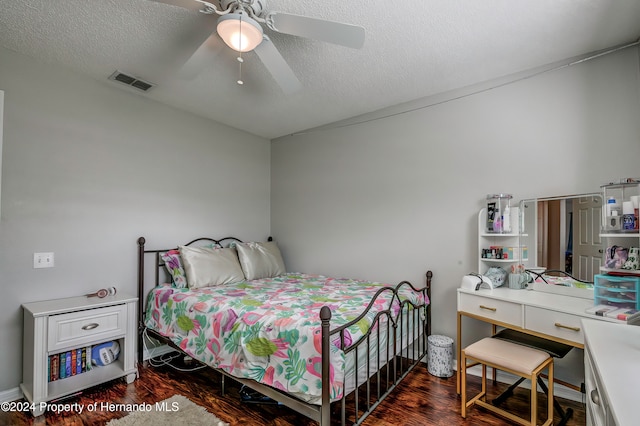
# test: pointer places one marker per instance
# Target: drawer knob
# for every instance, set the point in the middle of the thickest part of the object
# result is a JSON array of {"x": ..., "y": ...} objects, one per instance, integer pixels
[
  {"x": 90, "y": 326},
  {"x": 568, "y": 327},
  {"x": 488, "y": 308},
  {"x": 595, "y": 397}
]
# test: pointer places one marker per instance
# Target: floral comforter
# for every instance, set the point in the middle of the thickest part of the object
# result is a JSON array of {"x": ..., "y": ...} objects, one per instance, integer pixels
[{"x": 269, "y": 329}]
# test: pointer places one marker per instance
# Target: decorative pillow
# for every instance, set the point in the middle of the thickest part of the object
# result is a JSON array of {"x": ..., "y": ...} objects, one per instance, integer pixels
[
  {"x": 174, "y": 267},
  {"x": 207, "y": 267},
  {"x": 260, "y": 260}
]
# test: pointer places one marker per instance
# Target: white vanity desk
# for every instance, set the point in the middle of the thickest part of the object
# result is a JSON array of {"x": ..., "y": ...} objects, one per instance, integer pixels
[
  {"x": 552, "y": 316},
  {"x": 612, "y": 373}
]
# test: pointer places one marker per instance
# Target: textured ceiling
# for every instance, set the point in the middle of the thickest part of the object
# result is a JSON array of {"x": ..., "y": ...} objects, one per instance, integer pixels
[{"x": 413, "y": 49}]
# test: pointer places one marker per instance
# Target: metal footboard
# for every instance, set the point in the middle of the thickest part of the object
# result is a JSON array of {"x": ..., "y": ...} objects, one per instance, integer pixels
[{"x": 412, "y": 323}]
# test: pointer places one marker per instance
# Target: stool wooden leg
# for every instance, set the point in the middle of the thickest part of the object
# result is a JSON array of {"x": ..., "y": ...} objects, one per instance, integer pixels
[
  {"x": 550, "y": 395},
  {"x": 462, "y": 374},
  {"x": 534, "y": 399}
]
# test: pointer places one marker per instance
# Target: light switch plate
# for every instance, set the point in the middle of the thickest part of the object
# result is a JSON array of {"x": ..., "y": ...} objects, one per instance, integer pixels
[{"x": 43, "y": 260}]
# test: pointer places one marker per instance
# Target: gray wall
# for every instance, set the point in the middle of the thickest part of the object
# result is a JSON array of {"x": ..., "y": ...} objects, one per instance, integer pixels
[
  {"x": 88, "y": 168},
  {"x": 393, "y": 197}
]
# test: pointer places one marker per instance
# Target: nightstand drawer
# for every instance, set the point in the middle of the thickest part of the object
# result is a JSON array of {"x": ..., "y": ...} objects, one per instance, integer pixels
[
  {"x": 494, "y": 309},
  {"x": 78, "y": 328},
  {"x": 553, "y": 323}
]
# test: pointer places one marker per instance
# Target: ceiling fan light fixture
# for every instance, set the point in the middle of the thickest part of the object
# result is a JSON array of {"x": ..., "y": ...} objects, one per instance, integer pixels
[{"x": 239, "y": 32}]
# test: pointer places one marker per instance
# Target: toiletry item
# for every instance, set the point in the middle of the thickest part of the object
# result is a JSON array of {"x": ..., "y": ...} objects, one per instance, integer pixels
[
  {"x": 613, "y": 223},
  {"x": 497, "y": 223},
  {"x": 506, "y": 219},
  {"x": 491, "y": 216},
  {"x": 497, "y": 205},
  {"x": 628, "y": 217},
  {"x": 635, "y": 200},
  {"x": 613, "y": 208}
]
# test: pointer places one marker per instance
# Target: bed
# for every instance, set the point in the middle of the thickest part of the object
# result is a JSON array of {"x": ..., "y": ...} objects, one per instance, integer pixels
[{"x": 317, "y": 344}]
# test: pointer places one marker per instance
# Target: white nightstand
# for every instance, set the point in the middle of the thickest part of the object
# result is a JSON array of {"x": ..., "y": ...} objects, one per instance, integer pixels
[{"x": 59, "y": 326}]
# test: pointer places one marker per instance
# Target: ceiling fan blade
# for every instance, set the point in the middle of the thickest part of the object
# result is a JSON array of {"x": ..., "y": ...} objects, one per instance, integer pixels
[
  {"x": 204, "y": 55},
  {"x": 187, "y": 4},
  {"x": 194, "y": 43},
  {"x": 330, "y": 31},
  {"x": 277, "y": 66}
]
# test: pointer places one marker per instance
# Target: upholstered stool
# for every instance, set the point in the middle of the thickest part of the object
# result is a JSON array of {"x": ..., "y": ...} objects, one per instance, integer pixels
[
  {"x": 555, "y": 349},
  {"x": 515, "y": 359}
]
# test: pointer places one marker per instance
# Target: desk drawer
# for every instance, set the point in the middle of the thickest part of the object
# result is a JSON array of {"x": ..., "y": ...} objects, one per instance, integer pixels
[
  {"x": 84, "y": 327},
  {"x": 493, "y": 309},
  {"x": 557, "y": 324}
]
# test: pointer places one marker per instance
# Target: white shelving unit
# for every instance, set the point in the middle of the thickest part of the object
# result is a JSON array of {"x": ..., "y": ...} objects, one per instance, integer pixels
[
  {"x": 57, "y": 326},
  {"x": 487, "y": 240},
  {"x": 621, "y": 192},
  {"x": 623, "y": 240}
]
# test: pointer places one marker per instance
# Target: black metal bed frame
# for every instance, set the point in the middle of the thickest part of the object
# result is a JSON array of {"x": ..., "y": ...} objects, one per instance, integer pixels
[{"x": 381, "y": 379}]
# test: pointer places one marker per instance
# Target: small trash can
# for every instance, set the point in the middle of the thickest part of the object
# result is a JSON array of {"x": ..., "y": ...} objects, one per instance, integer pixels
[{"x": 440, "y": 356}]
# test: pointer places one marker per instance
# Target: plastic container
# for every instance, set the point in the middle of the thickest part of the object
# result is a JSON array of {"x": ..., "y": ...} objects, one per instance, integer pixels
[
  {"x": 499, "y": 207},
  {"x": 621, "y": 292},
  {"x": 518, "y": 281},
  {"x": 440, "y": 355},
  {"x": 621, "y": 210}
]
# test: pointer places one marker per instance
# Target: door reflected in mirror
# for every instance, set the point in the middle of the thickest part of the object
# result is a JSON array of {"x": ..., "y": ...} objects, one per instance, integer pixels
[{"x": 563, "y": 234}]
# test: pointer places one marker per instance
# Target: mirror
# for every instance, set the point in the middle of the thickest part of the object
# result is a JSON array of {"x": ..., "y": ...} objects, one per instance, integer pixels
[{"x": 563, "y": 233}]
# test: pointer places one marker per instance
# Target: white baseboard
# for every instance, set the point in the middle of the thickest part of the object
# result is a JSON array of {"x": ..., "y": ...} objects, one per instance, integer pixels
[
  {"x": 503, "y": 377},
  {"x": 11, "y": 395}
]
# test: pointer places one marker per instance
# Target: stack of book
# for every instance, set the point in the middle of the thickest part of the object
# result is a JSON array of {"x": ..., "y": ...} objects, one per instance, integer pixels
[
  {"x": 630, "y": 316},
  {"x": 69, "y": 363}
]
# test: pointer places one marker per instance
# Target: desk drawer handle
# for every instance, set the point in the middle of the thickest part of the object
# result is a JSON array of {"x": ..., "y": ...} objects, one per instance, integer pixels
[
  {"x": 90, "y": 326},
  {"x": 488, "y": 308},
  {"x": 568, "y": 327}
]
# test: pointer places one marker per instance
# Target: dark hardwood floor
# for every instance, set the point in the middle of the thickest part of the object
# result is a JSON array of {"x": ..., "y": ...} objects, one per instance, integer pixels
[{"x": 421, "y": 399}]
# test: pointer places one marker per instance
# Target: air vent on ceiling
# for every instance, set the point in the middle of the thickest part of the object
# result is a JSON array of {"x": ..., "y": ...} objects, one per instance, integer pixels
[{"x": 131, "y": 81}]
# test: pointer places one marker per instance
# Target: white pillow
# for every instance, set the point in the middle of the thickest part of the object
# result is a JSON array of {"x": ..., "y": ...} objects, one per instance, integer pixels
[
  {"x": 206, "y": 267},
  {"x": 260, "y": 260}
]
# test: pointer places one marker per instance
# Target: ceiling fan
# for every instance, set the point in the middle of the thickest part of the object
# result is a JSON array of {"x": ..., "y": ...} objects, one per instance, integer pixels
[{"x": 239, "y": 24}]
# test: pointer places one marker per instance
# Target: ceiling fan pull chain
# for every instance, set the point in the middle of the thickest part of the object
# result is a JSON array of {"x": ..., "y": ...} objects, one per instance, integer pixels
[{"x": 240, "y": 60}]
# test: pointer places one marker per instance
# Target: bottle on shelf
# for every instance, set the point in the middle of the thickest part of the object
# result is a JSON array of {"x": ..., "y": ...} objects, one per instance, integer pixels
[{"x": 506, "y": 219}]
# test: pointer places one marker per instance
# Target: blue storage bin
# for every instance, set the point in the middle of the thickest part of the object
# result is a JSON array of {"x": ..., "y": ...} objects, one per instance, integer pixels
[{"x": 619, "y": 291}]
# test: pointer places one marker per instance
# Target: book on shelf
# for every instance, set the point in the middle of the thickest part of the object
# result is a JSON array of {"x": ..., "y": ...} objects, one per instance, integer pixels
[
  {"x": 63, "y": 365},
  {"x": 69, "y": 363},
  {"x": 74, "y": 358},
  {"x": 67, "y": 359},
  {"x": 79, "y": 361},
  {"x": 88, "y": 358},
  {"x": 55, "y": 366}
]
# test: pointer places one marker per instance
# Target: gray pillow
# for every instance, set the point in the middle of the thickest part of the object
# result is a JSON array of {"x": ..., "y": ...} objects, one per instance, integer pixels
[
  {"x": 206, "y": 267},
  {"x": 260, "y": 260}
]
